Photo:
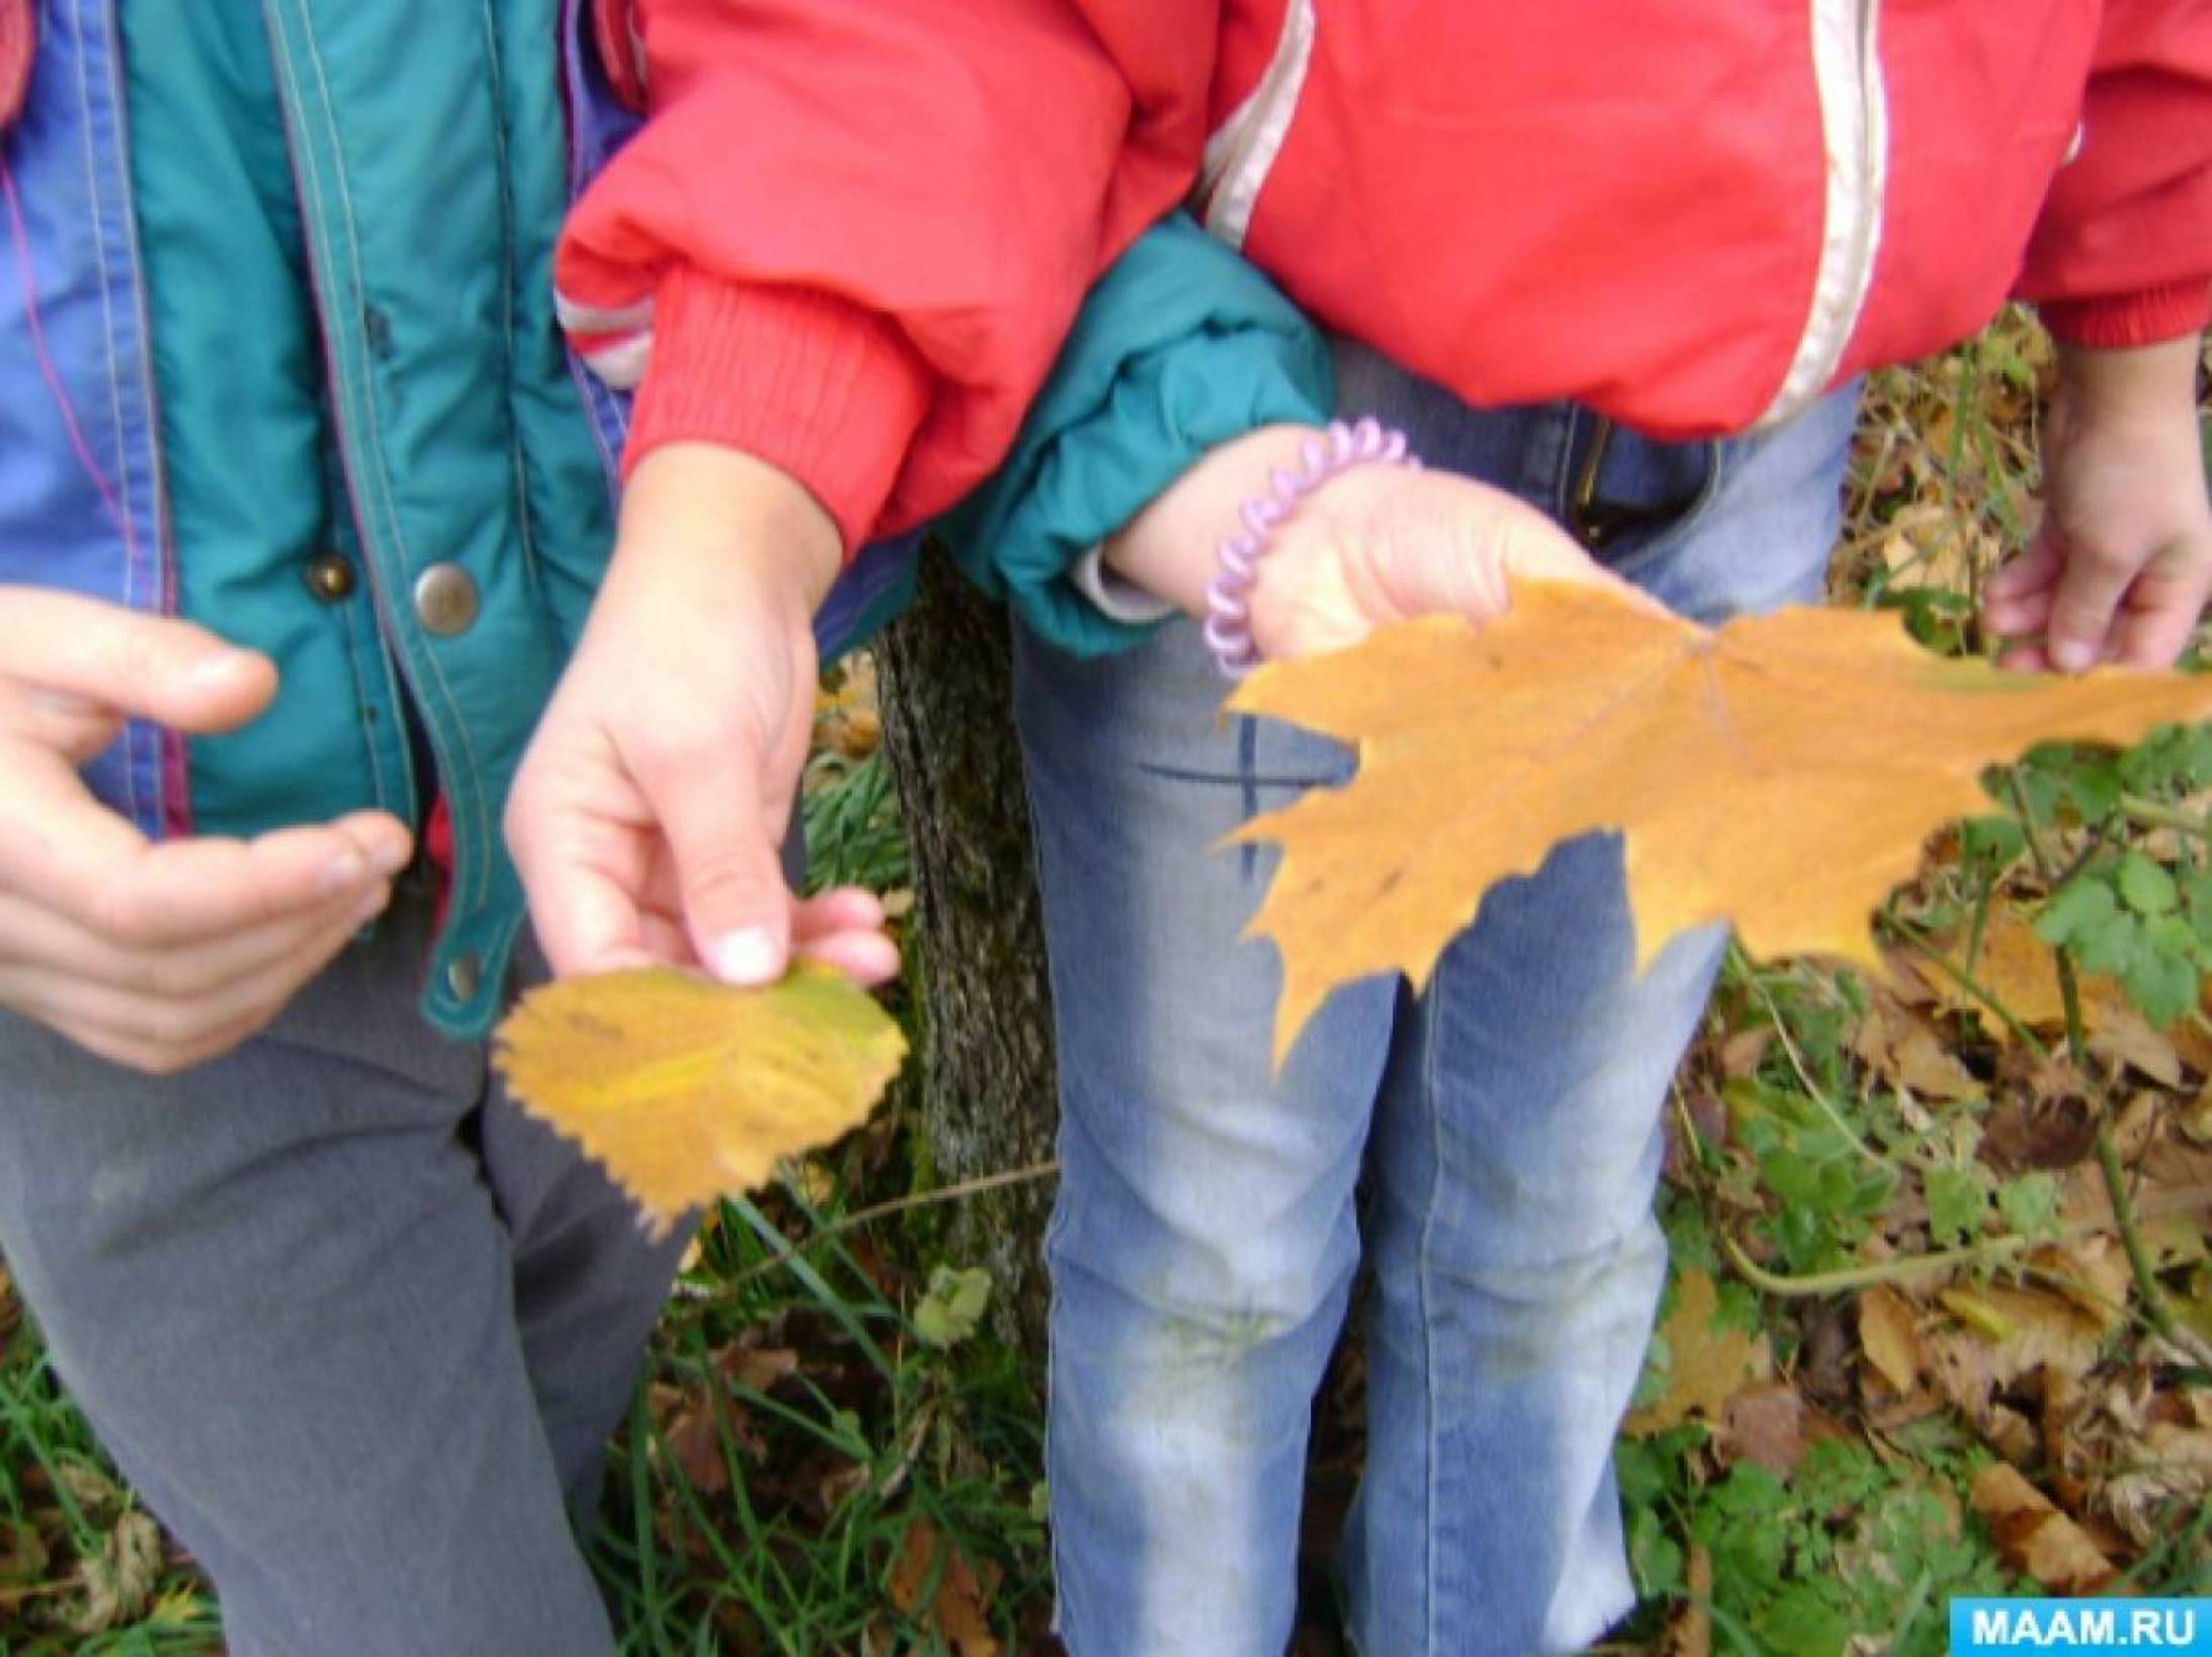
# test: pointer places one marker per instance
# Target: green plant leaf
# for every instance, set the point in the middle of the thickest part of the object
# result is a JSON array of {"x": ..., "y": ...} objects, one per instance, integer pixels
[
  {"x": 1958, "y": 1199},
  {"x": 954, "y": 1307},
  {"x": 2147, "y": 888}
]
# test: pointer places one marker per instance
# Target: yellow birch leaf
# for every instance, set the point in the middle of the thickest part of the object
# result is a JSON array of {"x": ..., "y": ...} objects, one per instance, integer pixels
[
  {"x": 686, "y": 1089},
  {"x": 1780, "y": 772}
]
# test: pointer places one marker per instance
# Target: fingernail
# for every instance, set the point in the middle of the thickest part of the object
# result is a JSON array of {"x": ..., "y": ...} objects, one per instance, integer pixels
[
  {"x": 2071, "y": 656},
  {"x": 221, "y": 667},
  {"x": 342, "y": 874},
  {"x": 747, "y": 957},
  {"x": 390, "y": 857}
]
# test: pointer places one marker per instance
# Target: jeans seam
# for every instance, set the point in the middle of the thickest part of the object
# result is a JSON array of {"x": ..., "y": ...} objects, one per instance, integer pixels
[{"x": 1431, "y": 1020}]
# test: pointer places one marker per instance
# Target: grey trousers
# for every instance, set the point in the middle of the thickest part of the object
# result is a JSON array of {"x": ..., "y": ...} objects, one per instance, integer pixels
[{"x": 356, "y": 1328}]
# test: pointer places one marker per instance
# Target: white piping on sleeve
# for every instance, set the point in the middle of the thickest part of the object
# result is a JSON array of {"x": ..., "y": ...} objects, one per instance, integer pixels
[
  {"x": 1116, "y": 597},
  {"x": 1854, "y": 133},
  {"x": 622, "y": 364},
  {"x": 1242, "y": 152},
  {"x": 575, "y": 317}
]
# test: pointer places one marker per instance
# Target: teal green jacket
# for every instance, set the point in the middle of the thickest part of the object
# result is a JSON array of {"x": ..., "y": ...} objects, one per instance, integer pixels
[
  {"x": 1180, "y": 346},
  {"x": 378, "y": 467},
  {"x": 283, "y": 361}
]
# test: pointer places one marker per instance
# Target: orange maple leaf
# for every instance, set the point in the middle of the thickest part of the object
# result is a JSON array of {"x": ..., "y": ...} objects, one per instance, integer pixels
[{"x": 1780, "y": 772}]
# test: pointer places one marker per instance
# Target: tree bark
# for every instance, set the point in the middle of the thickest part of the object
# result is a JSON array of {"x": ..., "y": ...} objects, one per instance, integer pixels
[{"x": 987, "y": 1091}]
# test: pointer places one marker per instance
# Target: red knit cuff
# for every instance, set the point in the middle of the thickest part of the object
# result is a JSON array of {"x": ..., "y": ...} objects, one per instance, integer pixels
[
  {"x": 2149, "y": 317},
  {"x": 19, "y": 45},
  {"x": 809, "y": 382}
]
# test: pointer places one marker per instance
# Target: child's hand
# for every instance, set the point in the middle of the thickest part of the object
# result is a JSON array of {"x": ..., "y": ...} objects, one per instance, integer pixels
[
  {"x": 2121, "y": 567},
  {"x": 155, "y": 956},
  {"x": 647, "y": 815},
  {"x": 1381, "y": 544},
  {"x": 1375, "y": 545}
]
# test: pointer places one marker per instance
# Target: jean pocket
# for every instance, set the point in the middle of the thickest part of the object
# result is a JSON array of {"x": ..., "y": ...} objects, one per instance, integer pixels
[{"x": 1628, "y": 498}]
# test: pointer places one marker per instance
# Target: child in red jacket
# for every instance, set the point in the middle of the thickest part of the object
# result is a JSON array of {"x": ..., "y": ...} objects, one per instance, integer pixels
[{"x": 1611, "y": 270}]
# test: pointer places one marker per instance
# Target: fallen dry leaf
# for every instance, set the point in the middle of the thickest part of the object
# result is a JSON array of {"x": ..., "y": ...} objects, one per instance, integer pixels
[
  {"x": 2012, "y": 966},
  {"x": 1901, "y": 1046},
  {"x": 686, "y": 1089},
  {"x": 2092, "y": 1275},
  {"x": 2026, "y": 1329},
  {"x": 1770, "y": 1423},
  {"x": 2035, "y": 1537},
  {"x": 849, "y": 720},
  {"x": 1781, "y": 773},
  {"x": 756, "y": 1368},
  {"x": 1690, "y": 1629},
  {"x": 960, "y": 1609},
  {"x": 1710, "y": 1363},
  {"x": 694, "y": 1444},
  {"x": 118, "y": 1582},
  {"x": 2123, "y": 1035},
  {"x": 1887, "y": 1336},
  {"x": 2193, "y": 1122}
]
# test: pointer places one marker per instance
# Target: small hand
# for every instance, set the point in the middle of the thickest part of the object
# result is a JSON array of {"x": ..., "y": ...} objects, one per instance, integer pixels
[
  {"x": 647, "y": 815},
  {"x": 1375, "y": 544},
  {"x": 155, "y": 956},
  {"x": 2121, "y": 566},
  {"x": 1381, "y": 544}
]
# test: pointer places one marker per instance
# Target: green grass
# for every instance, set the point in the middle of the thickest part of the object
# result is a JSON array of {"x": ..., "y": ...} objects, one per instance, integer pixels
[
  {"x": 816, "y": 1477},
  {"x": 82, "y": 1570}
]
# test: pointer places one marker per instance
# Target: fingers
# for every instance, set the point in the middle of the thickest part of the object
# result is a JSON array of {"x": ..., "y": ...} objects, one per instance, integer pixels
[
  {"x": 1539, "y": 551},
  {"x": 1465, "y": 545},
  {"x": 2083, "y": 603},
  {"x": 2016, "y": 604},
  {"x": 843, "y": 928},
  {"x": 728, "y": 869},
  {"x": 867, "y": 958},
  {"x": 162, "y": 1032},
  {"x": 38, "y": 939},
  {"x": 101, "y": 655},
  {"x": 2161, "y": 610},
  {"x": 840, "y": 909},
  {"x": 613, "y": 847},
  {"x": 582, "y": 870},
  {"x": 2068, "y": 617},
  {"x": 63, "y": 850}
]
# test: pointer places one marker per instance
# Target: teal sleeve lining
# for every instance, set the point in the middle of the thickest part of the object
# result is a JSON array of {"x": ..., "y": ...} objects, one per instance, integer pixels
[{"x": 1181, "y": 346}]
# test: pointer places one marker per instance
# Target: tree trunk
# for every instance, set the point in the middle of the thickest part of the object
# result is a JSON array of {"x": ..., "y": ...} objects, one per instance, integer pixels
[{"x": 989, "y": 1104}]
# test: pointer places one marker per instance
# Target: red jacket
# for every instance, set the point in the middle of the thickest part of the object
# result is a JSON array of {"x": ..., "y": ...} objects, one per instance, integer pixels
[
  {"x": 858, "y": 229},
  {"x": 1694, "y": 216},
  {"x": 852, "y": 233}
]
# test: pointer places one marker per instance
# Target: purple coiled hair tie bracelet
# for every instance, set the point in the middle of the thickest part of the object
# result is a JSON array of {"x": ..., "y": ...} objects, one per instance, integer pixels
[{"x": 1228, "y": 596}]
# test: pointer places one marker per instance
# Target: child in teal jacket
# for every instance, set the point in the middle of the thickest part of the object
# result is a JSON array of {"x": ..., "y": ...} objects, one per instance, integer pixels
[{"x": 304, "y": 508}]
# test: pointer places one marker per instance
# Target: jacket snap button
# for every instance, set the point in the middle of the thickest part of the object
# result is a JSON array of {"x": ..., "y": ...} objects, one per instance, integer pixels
[
  {"x": 445, "y": 600},
  {"x": 464, "y": 976},
  {"x": 331, "y": 577}
]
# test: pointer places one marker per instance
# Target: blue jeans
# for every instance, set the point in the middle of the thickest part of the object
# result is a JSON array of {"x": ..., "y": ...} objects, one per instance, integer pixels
[{"x": 1205, "y": 1236}]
